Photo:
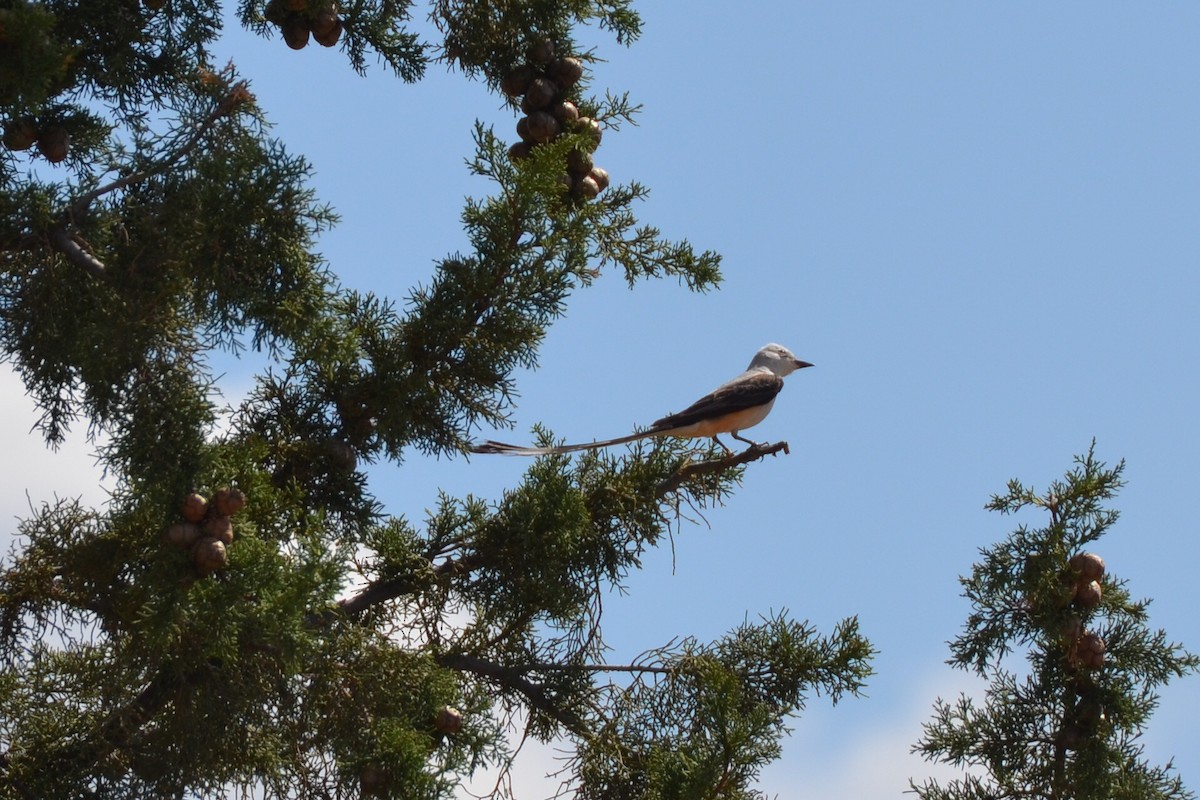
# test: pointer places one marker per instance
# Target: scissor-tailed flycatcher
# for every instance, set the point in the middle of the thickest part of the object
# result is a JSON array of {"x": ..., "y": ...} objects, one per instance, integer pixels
[{"x": 732, "y": 407}]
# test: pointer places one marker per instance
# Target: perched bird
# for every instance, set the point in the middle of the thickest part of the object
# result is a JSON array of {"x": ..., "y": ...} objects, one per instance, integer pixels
[{"x": 732, "y": 407}]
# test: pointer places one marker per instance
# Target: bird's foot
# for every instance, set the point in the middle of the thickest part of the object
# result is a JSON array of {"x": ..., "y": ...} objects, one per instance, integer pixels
[
  {"x": 724, "y": 446},
  {"x": 748, "y": 441}
]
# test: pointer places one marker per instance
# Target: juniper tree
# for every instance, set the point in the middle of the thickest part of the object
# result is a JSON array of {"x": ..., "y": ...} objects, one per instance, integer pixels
[
  {"x": 241, "y": 612},
  {"x": 1069, "y": 726}
]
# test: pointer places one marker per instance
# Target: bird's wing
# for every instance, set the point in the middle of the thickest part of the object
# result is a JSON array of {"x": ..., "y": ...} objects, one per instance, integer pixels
[{"x": 748, "y": 390}]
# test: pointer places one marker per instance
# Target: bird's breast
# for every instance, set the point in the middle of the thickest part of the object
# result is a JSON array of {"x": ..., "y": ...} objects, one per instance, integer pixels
[{"x": 727, "y": 423}]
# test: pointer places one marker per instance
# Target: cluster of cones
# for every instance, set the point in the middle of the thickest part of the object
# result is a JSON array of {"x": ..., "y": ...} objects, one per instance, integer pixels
[
  {"x": 207, "y": 528},
  {"x": 52, "y": 139},
  {"x": 298, "y": 20},
  {"x": 544, "y": 87},
  {"x": 1086, "y": 651}
]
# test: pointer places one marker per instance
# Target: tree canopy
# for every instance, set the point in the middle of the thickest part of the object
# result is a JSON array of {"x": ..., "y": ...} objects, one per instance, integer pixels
[
  {"x": 1070, "y": 727},
  {"x": 241, "y": 612}
]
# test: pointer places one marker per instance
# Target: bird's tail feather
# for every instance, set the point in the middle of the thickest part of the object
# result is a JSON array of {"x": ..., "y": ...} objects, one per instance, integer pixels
[{"x": 501, "y": 448}]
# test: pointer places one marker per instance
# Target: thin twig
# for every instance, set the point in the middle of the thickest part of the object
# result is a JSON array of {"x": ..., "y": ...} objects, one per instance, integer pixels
[
  {"x": 236, "y": 94},
  {"x": 59, "y": 235}
]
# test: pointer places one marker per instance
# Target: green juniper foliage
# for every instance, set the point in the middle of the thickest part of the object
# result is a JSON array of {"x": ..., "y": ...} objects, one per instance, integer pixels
[
  {"x": 149, "y": 222},
  {"x": 1069, "y": 726}
]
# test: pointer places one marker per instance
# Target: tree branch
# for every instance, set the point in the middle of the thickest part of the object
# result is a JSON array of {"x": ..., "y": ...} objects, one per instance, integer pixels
[
  {"x": 123, "y": 722},
  {"x": 118, "y": 728},
  {"x": 631, "y": 668},
  {"x": 392, "y": 588},
  {"x": 374, "y": 593},
  {"x": 59, "y": 235},
  {"x": 237, "y": 95},
  {"x": 63, "y": 242},
  {"x": 752, "y": 453},
  {"x": 511, "y": 678}
]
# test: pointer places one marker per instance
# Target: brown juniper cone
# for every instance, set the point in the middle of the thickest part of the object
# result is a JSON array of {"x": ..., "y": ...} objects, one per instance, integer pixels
[
  {"x": 220, "y": 528},
  {"x": 373, "y": 780},
  {"x": 324, "y": 21},
  {"x": 53, "y": 143},
  {"x": 566, "y": 112},
  {"x": 195, "y": 507},
  {"x": 295, "y": 33},
  {"x": 328, "y": 38},
  {"x": 208, "y": 529},
  {"x": 565, "y": 72},
  {"x": 587, "y": 188},
  {"x": 579, "y": 163},
  {"x": 591, "y": 127},
  {"x": 1091, "y": 650},
  {"x": 523, "y": 130},
  {"x": 541, "y": 52},
  {"x": 516, "y": 82},
  {"x": 542, "y": 127},
  {"x": 1088, "y": 595},
  {"x": 1089, "y": 566},
  {"x": 539, "y": 95},
  {"x": 600, "y": 176},
  {"x": 21, "y": 133},
  {"x": 449, "y": 720},
  {"x": 209, "y": 555},
  {"x": 184, "y": 534},
  {"x": 540, "y": 85},
  {"x": 228, "y": 501}
]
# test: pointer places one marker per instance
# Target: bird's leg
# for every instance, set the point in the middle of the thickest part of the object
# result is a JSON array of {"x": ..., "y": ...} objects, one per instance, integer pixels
[
  {"x": 724, "y": 447},
  {"x": 734, "y": 434}
]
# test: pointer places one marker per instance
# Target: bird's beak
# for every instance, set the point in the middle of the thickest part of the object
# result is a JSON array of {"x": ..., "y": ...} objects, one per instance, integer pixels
[{"x": 802, "y": 364}]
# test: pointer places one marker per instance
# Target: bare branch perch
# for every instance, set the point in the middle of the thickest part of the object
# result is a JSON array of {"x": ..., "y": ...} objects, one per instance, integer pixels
[
  {"x": 392, "y": 588},
  {"x": 752, "y": 453}
]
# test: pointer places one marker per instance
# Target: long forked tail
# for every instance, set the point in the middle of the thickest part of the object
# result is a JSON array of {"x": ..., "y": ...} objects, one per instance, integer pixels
[{"x": 500, "y": 448}]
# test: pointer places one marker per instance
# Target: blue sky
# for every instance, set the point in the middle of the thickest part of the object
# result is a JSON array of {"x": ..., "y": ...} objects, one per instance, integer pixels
[{"x": 979, "y": 221}]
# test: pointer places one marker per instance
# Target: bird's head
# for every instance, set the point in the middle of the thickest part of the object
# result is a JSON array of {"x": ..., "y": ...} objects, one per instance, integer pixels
[{"x": 778, "y": 359}]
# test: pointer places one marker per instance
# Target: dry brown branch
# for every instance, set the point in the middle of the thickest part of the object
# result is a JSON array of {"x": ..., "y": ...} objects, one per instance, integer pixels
[{"x": 752, "y": 453}]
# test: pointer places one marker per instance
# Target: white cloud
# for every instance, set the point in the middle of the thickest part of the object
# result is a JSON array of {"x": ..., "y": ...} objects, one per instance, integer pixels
[
  {"x": 845, "y": 751},
  {"x": 872, "y": 761},
  {"x": 32, "y": 473},
  {"x": 532, "y": 775}
]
